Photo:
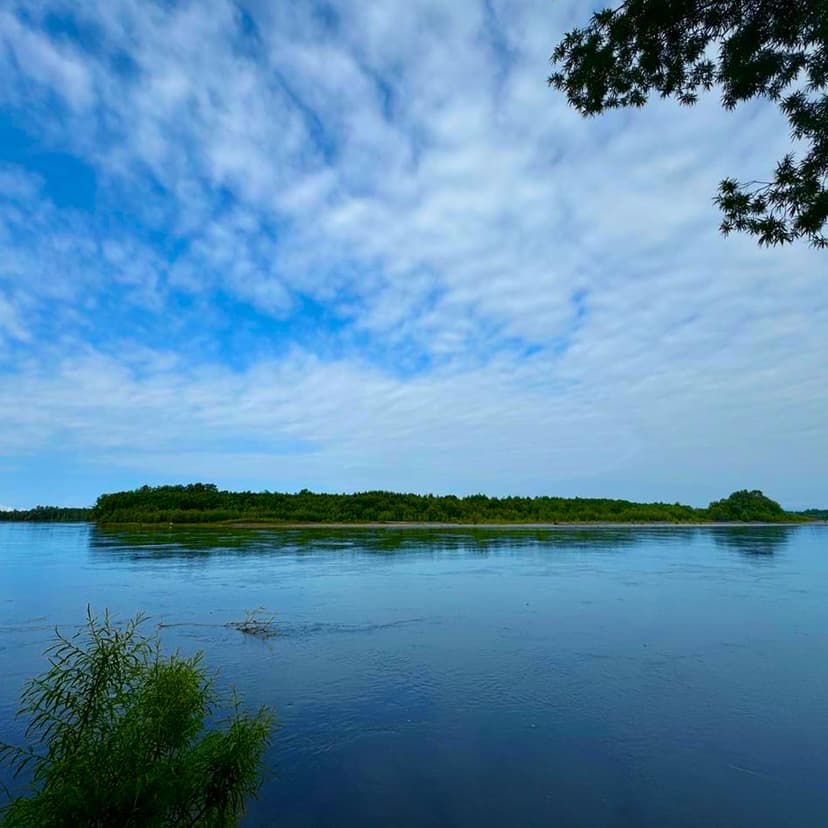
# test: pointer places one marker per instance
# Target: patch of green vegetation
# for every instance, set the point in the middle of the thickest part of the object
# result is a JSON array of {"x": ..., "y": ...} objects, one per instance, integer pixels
[
  {"x": 204, "y": 503},
  {"x": 747, "y": 506},
  {"x": 117, "y": 736},
  {"x": 47, "y": 514}
]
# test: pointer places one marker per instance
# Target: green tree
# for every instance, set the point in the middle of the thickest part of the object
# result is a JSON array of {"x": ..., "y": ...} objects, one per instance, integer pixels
[
  {"x": 747, "y": 505},
  {"x": 776, "y": 49},
  {"x": 117, "y": 736}
]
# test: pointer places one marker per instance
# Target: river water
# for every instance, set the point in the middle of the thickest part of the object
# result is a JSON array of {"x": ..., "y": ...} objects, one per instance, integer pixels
[{"x": 589, "y": 677}]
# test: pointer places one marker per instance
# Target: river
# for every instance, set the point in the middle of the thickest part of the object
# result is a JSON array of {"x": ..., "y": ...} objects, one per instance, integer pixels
[{"x": 513, "y": 677}]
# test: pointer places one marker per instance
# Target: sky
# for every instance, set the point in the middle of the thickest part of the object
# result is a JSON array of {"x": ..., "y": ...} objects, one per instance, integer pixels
[{"x": 347, "y": 246}]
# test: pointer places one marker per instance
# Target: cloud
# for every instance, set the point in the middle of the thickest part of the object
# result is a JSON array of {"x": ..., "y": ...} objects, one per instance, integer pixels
[
  {"x": 368, "y": 247},
  {"x": 48, "y": 65}
]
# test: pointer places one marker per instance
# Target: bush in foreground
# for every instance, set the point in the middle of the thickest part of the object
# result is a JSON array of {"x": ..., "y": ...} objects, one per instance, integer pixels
[{"x": 117, "y": 737}]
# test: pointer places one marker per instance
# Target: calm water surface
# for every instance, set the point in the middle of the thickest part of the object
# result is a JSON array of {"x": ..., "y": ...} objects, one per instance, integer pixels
[{"x": 630, "y": 677}]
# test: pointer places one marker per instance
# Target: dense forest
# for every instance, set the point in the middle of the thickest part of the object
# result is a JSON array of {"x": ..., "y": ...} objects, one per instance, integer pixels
[
  {"x": 48, "y": 514},
  {"x": 747, "y": 506},
  {"x": 205, "y": 503}
]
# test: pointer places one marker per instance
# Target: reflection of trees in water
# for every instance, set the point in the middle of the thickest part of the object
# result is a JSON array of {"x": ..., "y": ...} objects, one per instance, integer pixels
[
  {"x": 195, "y": 544},
  {"x": 184, "y": 543},
  {"x": 753, "y": 540}
]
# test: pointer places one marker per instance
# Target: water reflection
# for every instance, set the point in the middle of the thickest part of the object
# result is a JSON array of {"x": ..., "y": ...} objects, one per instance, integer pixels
[
  {"x": 754, "y": 541},
  {"x": 166, "y": 543}
]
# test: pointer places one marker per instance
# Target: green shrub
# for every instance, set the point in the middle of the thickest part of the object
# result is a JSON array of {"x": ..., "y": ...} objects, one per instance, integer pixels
[
  {"x": 745, "y": 506},
  {"x": 117, "y": 737}
]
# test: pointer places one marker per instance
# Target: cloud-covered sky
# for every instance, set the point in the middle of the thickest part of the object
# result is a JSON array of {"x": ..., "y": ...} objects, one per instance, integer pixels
[{"x": 359, "y": 245}]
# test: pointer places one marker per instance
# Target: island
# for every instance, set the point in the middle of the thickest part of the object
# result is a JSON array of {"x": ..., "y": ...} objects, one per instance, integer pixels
[{"x": 206, "y": 504}]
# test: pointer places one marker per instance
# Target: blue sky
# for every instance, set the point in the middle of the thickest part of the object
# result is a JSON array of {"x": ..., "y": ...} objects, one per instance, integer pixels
[{"x": 362, "y": 245}]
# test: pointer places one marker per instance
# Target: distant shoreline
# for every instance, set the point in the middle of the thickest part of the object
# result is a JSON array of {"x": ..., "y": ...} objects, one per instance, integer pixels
[{"x": 203, "y": 504}]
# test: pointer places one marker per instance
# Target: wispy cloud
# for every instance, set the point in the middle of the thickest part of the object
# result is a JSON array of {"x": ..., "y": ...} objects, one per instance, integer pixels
[{"x": 364, "y": 245}]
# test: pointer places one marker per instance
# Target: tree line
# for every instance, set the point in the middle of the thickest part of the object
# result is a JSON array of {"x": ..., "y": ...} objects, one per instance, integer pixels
[
  {"x": 206, "y": 503},
  {"x": 48, "y": 514}
]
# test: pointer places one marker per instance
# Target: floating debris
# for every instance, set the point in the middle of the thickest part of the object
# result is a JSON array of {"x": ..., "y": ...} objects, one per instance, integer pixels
[{"x": 262, "y": 626}]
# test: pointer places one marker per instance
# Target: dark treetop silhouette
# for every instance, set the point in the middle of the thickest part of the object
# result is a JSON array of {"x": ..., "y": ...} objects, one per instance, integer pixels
[{"x": 777, "y": 49}]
